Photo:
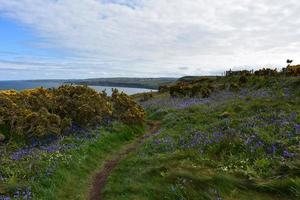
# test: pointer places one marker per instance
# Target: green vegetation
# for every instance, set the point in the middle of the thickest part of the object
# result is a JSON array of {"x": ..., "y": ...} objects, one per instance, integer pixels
[
  {"x": 52, "y": 141},
  {"x": 240, "y": 142},
  {"x": 150, "y": 83},
  {"x": 76, "y": 169},
  {"x": 43, "y": 112},
  {"x": 64, "y": 168},
  {"x": 232, "y": 137},
  {"x": 195, "y": 86}
]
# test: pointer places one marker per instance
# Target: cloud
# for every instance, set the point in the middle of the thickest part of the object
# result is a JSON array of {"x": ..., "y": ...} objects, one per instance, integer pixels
[
  {"x": 183, "y": 68},
  {"x": 156, "y": 37}
]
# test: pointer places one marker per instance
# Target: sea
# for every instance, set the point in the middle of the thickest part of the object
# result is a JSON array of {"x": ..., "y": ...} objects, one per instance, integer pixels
[{"x": 22, "y": 85}]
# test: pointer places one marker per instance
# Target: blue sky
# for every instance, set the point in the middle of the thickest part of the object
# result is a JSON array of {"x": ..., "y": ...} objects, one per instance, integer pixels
[
  {"x": 18, "y": 40},
  {"x": 12, "y": 36},
  {"x": 19, "y": 52},
  {"x": 41, "y": 39}
]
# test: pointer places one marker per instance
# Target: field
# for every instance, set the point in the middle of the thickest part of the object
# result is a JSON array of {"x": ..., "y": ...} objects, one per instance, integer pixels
[
  {"x": 52, "y": 141},
  {"x": 235, "y": 144},
  {"x": 234, "y": 137}
]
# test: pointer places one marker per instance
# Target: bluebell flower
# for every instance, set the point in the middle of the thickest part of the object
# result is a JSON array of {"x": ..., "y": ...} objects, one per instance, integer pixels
[{"x": 287, "y": 154}]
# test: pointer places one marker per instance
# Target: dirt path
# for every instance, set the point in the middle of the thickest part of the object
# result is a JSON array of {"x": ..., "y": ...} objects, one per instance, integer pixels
[{"x": 101, "y": 177}]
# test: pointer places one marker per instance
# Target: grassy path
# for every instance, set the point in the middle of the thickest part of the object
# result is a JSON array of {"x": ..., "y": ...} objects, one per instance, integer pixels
[
  {"x": 73, "y": 178},
  {"x": 101, "y": 177},
  {"x": 202, "y": 155}
]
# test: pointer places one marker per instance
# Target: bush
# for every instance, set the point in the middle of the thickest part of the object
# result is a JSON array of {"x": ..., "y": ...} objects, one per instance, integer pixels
[
  {"x": 234, "y": 87},
  {"x": 242, "y": 80},
  {"x": 163, "y": 88},
  {"x": 125, "y": 109},
  {"x": 146, "y": 97},
  {"x": 206, "y": 92},
  {"x": 41, "y": 123},
  {"x": 198, "y": 89},
  {"x": 41, "y": 112},
  {"x": 82, "y": 104}
]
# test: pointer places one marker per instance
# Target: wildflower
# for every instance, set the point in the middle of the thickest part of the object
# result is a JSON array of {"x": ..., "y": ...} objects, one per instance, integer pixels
[
  {"x": 297, "y": 128},
  {"x": 287, "y": 154},
  {"x": 272, "y": 149},
  {"x": 2, "y": 197},
  {"x": 20, "y": 154}
]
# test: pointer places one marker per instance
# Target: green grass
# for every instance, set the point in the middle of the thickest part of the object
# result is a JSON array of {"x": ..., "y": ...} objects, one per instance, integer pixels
[
  {"x": 73, "y": 169},
  {"x": 227, "y": 169},
  {"x": 177, "y": 177},
  {"x": 73, "y": 180},
  {"x": 169, "y": 165}
]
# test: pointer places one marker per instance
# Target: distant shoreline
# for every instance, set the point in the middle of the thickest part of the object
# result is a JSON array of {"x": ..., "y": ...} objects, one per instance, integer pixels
[
  {"x": 145, "y": 83},
  {"x": 24, "y": 85},
  {"x": 124, "y": 85},
  {"x": 140, "y": 83}
]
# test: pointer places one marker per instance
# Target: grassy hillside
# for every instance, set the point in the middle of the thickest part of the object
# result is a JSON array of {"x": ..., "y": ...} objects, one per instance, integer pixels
[
  {"x": 234, "y": 137},
  {"x": 240, "y": 142},
  {"x": 53, "y": 140},
  {"x": 151, "y": 83}
]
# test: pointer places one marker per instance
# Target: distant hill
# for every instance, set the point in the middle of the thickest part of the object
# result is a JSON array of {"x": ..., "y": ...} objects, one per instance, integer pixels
[
  {"x": 150, "y": 83},
  {"x": 193, "y": 78}
]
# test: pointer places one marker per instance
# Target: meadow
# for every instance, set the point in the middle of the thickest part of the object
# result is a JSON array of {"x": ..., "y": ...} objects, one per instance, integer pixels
[
  {"x": 230, "y": 137},
  {"x": 240, "y": 142},
  {"x": 53, "y": 140}
]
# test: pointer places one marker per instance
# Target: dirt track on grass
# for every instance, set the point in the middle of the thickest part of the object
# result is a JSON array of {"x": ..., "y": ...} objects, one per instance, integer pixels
[{"x": 109, "y": 165}]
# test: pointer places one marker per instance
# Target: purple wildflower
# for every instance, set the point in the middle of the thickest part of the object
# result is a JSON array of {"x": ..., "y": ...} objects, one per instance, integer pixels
[
  {"x": 287, "y": 154},
  {"x": 272, "y": 149},
  {"x": 52, "y": 148},
  {"x": 297, "y": 128},
  {"x": 18, "y": 155},
  {"x": 2, "y": 197}
]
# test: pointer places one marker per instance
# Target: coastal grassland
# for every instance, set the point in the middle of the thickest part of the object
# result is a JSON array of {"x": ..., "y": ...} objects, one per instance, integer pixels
[
  {"x": 62, "y": 169},
  {"x": 53, "y": 140},
  {"x": 241, "y": 144},
  {"x": 72, "y": 179}
]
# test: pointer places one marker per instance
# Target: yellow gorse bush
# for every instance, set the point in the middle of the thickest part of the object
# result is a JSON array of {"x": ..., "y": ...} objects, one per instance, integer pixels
[
  {"x": 125, "y": 109},
  {"x": 39, "y": 112},
  {"x": 293, "y": 70}
]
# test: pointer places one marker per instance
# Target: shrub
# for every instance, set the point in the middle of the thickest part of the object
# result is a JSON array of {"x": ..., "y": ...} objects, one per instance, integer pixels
[
  {"x": 292, "y": 70},
  {"x": 234, "y": 87},
  {"x": 242, "y": 80},
  {"x": 266, "y": 72},
  {"x": 41, "y": 112},
  {"x": 163, "y": 88},
  {"x": 179, "y": 90},
  {"x": 192, "y": 90},
  {"x": 146, "y": 97},
  {"x": 205, "y": 92},
  {"x": 41, "y": 123},
  {"x": 125, "y": 109},
  {"x": 82, "y": 104}
]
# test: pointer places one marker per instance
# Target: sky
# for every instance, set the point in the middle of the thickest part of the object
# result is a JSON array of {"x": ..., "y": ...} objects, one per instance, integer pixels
[{"x": 66, "y": 39}]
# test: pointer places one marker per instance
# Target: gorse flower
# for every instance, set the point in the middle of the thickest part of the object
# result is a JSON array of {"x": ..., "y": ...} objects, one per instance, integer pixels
[{"x": 38, "y": 113}]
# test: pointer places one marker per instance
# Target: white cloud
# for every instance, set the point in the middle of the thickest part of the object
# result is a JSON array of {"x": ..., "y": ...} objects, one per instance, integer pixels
[{"x": 158, "y": 37}]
